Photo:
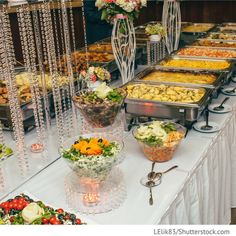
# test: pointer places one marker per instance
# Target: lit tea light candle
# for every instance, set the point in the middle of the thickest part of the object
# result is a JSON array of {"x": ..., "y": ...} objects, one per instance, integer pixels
[
  {"x": 36, "y": 147},
  {"x": 91, "y": 199}
]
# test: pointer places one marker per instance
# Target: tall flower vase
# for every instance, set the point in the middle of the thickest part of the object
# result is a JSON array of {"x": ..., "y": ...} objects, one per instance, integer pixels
[
  {"x": 124, "y": 46},
  {"x": 171, "y": 20}
]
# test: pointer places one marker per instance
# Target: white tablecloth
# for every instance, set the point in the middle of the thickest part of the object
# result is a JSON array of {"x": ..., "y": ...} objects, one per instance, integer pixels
[{"x": 201, "y": 191}]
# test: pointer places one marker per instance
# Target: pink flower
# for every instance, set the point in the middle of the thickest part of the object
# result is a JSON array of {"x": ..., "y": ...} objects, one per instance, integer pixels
[
  {"x": 83, "y": 73},
  {"x": 93, "y": 78}
]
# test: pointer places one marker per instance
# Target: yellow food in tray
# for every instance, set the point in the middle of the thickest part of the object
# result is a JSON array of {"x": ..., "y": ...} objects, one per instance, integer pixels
[
  {"x": 23, "y": 86},
  {"x": 178, "y": 77},
  {"x": 23, "y": 78},
  {"x": 100, "y": 47},
  {"x": 198, "y": 28},
  {"x": 164, "y": 93},
  {"x": 197, "y": 64}
]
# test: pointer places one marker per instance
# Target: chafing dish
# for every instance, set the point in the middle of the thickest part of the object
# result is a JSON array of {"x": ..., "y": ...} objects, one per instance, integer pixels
[
  {"x": 227, "y": 29},
  {"x": 100, "y": 47},
  {"x": 197, "y": 28},
  {"x": 27, "y": 112},
  {"x": 212, "y": 62},
  {"x": 219, "y": 78},
  {"x": 221, "y": 44},
  {"x": 223, "y": 50},
  {"x": 221, "y": 36},
  {"x": 229, "y": 24},
  {"x": 186, "y": 113}
]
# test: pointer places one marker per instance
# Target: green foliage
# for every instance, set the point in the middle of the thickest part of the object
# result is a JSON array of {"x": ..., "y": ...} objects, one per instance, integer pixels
[{"x": 158, "y": 29}]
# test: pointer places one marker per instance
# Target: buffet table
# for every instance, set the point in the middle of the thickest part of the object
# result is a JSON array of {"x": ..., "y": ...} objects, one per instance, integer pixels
[{"x": 201, "y": 191}]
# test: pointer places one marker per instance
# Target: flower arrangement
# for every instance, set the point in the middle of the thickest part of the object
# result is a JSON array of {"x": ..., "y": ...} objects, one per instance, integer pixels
[
  {"x": 112, "y": 8},
  {"x": 93, "y": 74},
  {"x": 155, "y": 29}
]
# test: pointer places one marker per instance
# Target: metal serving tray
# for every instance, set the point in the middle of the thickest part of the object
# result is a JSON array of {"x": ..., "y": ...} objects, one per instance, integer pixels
[
  {"x": 27, "y": 112},
  {"x": 228, "y": 24},
  {"x": 185, "y": 112},
  {"x": 219, "y": 40},
  {"x": 216, "y": 84},
  {"x": 211, "y": 27},
  {"x": 98, "y": 51},
  {"x": 205, "y": 57},
  {"x": 226, "y": 30},
  {"x": 215, "y": 41},
  {"x": 175, "y": 57}
]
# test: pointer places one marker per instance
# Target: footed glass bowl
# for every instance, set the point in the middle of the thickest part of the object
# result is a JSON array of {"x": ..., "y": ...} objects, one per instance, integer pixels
[
  {"x": 160, "y": 153},
  {"x": 91, "y": 167},
  {"x": 98, "y": 115}
]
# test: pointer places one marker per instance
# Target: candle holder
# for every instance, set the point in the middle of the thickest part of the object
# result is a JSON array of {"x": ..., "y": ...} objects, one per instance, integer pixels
[
  {"x": 92, "y": 159},
  {"x": 91, "y": 197}
]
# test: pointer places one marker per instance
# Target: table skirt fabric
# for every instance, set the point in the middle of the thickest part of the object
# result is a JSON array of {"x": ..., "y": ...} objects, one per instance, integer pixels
[{"x": 210, "y": 190}]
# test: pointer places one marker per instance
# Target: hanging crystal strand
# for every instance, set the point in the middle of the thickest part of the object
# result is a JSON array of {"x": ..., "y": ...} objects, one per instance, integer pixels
[
  {"x": 39, "y": 48},
  {"x": 148, "y": 53},
  {"x": 72, "y": 124},
  {"x": 52, "y": 62},
  {"x": 45, "y": 67},
  {"x": 65, "y": 100},
  {"x": 29, "y": 56},
  {"x": 1, "y": 134},
  {"x": 85, "y": 33},
  {"x": 72, "y": 30},
  {"x": 60, "y": 50},
  {"x": 171, "y": 20},
  {"x": 7, "y": 62}
]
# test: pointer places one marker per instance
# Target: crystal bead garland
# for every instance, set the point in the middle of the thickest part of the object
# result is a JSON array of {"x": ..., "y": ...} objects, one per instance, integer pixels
[
  {"x": 70, "y": 89},
  {"x": 124, "y": 46},
  {"x": 39, "y": 47},
  {"x": 60, "y": 50},
  {"x": 171, "y": 20},
  {"x": 84, "y": 84},
  {"x": 50, "y": 54},
  {"x": 7, "y": 71},
  {"x": 1, "y": 134},
  {"x": 29, "y": 56}
]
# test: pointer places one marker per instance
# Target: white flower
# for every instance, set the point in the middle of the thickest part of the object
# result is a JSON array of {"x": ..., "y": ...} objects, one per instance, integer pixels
[
  {"x": 91, "y": 69},
  {"x": 103, "y": 90},
  {"x": 143, "y": 3},
  {"x": 129, "y": 7},
  {"x": 32, "y": 212},
  {"x": 100, "y": 4}
]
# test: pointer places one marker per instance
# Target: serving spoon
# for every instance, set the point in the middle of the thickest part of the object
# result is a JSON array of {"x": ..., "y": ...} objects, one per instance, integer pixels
[
  {"x": 221, "y": 107},
  {"x": 151, "y": 174},
  {"x": 158, "y": 175},
  {"x": 231, "y": 90},
  {"x": 206, "y": 126}
]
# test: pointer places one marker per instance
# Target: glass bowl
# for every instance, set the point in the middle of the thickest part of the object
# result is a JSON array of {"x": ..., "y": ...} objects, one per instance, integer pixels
[
  {"x": 160, "y": 153},
  {"x": 91, "y": 168},
  {"x": 98, "y": 115}
]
